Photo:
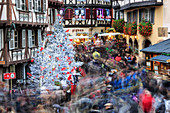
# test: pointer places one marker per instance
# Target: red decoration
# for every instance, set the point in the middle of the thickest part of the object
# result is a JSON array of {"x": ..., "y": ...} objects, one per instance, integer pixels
[
  {"x": 53, "y": 69},
  {"x": 49, "y": 56},
  {"x": 41, "y": 48},
  {"x": 53, "y": 80},
  {"x": 70, "y": 62},
  {"x": 48, "y": 34},
  {"x": 42, "y": 68},
  {"x": 59, "y": 21},
  {"x": 63, "y": 69},
  {"x": 57, "y": 75},
  {"x": 63, "y": 49},
  {"x": 67, "y": 30},
  {"x": 34, "y": 77},
  {"x": 29, "y": 74},
  {"x": 41, "y": 76},
  {"x": 72, "y": 70},
  {"x": 58, "y": 64},
  {"x": 68, "y": 72},
  {"x": 54, "y": 36},
  {"x": 32, "y": 60},
  {"x": 37, "y": 51},
  {"x": 65, "y": 38},
  {"x": 68, "y": 58},
  {"x": 71, "y": 39},
  {"x": 50, "y": 72},
  {"x": 60, "y": 45},
  {"x": 58, "y": 15}
]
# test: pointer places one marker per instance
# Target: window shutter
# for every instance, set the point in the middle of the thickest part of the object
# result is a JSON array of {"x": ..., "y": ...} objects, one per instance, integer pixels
[
  {"x": 66, "y": 16},
  {"x": 71, "y": 13},
  {"x": 23, "y": 38},
  {"x": 140, "y": 15},
  {"x": 152, "y": 15},
  {"x": 51, "y": 16},
  {"x": 111, "y": 13},
  {"x": 1, "y": 39},
  {"x": 11, "y": 42},
  {"x": 30, "y": 38},
  {"x": 94, "y": 13},
  {"x": 39, "y": 36},
  {"x": 44, "y": 5},
  {"x": 88, "y": 14}
]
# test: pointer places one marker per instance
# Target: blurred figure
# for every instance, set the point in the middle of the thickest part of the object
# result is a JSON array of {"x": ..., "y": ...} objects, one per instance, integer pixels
[
  {"x": 109, "y": 108},
  {"x": 118, "y": 58},
  {"x": 147, "y": 102},
  {"x": 95, "y": 109}
]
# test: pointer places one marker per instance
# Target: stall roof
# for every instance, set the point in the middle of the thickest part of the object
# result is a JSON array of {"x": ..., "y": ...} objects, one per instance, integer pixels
[
  {"x": 75, "y": 37},
  {"x": 161, "y": 58},
  {"x": 162, "y": 47},
  {"x": 107, "y": 34}
]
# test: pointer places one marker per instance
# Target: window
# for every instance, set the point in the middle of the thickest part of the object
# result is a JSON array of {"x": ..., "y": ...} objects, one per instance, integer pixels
[
  {"x": 51, "y": 11},
  {"x": 121, "y": 15},
  {"x": 39, "y": 36},
  {"x": 13, "y": 43},
  {"x": 147, "y": 14},
  {"x": 30, "y": 5},
  {"x": 128, "y": 17},
  {"x": 30, "y": 38},
  {"x": 23, "y": 38},
  {"x": 21, "y": 5},
  {"x": 1, "y": 36},
  {"x": 37, "y": 6},
  {"x": 44, "y": 6},
  {"x": 33, "y": 38},
  {"x": 135, "y": 16}
]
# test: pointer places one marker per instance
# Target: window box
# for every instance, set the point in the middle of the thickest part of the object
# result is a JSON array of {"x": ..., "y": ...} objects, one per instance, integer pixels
[
  {"x": 130, "y": 28},
  {"x": 145, "y": 28},
  {"x": 118, "y": 25}
]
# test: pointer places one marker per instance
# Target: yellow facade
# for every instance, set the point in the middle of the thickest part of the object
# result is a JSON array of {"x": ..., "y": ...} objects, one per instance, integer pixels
[{"x": 158, "y": 22}]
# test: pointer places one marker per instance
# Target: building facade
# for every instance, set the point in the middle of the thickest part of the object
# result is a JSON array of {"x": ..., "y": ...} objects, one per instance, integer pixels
[
  {"x": 154, "y": 11},
  {"x": 22, "y": 24},
  {"x": 92, "y": 16}
]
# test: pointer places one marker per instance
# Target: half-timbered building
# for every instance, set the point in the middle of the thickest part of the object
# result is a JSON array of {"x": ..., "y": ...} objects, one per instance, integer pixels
[
  {"x": 22, "y": 23},
  {"x": 88, "y": 15}
]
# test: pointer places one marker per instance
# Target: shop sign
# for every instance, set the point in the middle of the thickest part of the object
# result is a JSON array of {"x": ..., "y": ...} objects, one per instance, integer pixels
[
  {"x": 162, "y": 31},
  {"x": 9, "y": 76},
  {"x": 2, "y": 62},
  {"x": 78, "y": 30}
]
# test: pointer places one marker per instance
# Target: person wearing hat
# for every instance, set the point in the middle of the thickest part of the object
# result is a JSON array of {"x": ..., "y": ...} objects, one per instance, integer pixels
[{"x": 109, "y": 108}]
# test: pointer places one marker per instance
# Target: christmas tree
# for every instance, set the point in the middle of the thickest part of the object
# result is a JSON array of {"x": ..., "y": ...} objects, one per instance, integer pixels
[{"x": 56, "y": 61}]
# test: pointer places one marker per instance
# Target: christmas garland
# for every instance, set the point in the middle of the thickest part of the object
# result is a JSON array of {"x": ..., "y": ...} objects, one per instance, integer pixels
[
  {"x": 145, "y": 28},
  {"x": 130, "y": 28},
  {"x": 118, "y": 25}
]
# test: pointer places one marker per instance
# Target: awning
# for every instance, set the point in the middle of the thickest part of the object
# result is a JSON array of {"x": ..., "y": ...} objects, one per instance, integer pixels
[
  {"x": 79, "y": 37},
  {"x": 161, "y": 58},
  {"x": 109, "y": 34}
]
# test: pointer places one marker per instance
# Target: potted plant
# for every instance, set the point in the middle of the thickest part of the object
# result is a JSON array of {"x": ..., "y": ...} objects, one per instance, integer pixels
[
  {"x": 145, "y": 28},
  {"x": 130, "y": 28},
  {"x": 118, "y": 25}
]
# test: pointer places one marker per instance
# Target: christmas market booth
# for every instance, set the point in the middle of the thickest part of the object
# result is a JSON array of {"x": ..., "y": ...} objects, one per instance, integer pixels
[{"x": 157, "y": 59}]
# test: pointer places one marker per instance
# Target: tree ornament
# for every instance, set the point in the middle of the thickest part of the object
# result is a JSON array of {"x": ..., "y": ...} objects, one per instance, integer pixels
[
  {"x": 32, "y": 60},
  {"x": 50, "y": 72},
  {"x": 67, "y": 67},
  {"x": 63, "y": 69},
  {"x": 58, "y": 15},
  {"x": 42, "y": 68},
  {"x": 68, "y": 72},
  {"x": 67, "y": 30},
  {"x": 72, "y": 70},
  {"x": 49, "y": 56},
  {"x": 46, "y": 77},
  {"x": 29, "y": 74},
  {"x": 43, "y": 53},
  {"x": 53, "y": 69},
  {"x": 59, "y": 21},
  {"x": 71, "y": 40},
  {"x": 37, "y": 51},
  {"x": 63, "y": 49},
  {"x": 58, "y": 64},
  {"x": 65, "y": 38},
  {"x": 41, "y": 48},
  {"x": 53, "y": 80}
]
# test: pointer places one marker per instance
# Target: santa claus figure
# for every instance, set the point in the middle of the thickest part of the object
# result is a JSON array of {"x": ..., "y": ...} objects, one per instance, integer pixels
[{"x": 73, "y": 81}]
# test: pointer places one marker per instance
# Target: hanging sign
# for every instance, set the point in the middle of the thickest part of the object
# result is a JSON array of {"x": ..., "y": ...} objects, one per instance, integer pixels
[
  {"x": 80, "y": 14},
  {"x": 9, "y": 76},
  {"x": 99, "y": 13},
  {"x": 108, "y": 17}
]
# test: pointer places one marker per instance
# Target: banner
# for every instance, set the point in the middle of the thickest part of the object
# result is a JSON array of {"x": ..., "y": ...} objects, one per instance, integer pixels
[
  {"x": 80, "y": 14},
  {"x": 99, "y": 13},
  {"x": 108, "y": 17}
]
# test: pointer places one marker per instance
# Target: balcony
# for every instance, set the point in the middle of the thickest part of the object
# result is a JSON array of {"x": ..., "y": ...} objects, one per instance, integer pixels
[
  {"x": 130, "y": 4},
  {"x": 55, "y": 3}
]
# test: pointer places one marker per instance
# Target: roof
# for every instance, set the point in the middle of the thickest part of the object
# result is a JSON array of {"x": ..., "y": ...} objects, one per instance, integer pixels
[
  {"x": 162, "y": 47},
  {"x": 161, "y": 58}
]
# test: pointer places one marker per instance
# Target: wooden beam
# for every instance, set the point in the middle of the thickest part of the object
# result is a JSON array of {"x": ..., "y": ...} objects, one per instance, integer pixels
[{"x": 2, "y": 6}]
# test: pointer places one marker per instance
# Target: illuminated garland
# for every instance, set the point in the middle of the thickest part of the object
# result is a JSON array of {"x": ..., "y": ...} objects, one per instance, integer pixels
[
  {"x": 145, "y": 28},
  {"x": 118, "y": 25},
  {"x": 130, "y": 28}
]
